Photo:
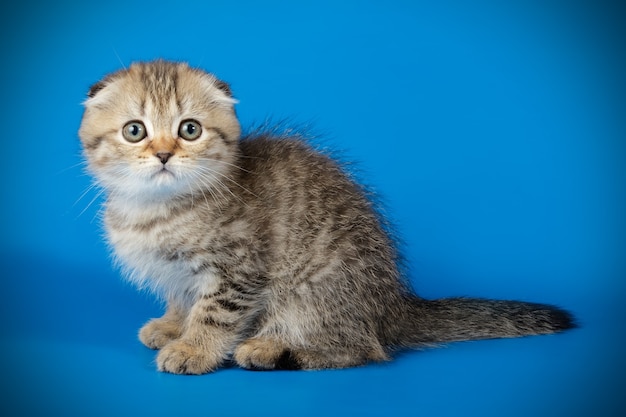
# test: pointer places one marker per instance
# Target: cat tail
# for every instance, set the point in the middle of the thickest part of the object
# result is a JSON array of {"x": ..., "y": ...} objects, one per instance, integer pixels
[{"x": 430, "y": 322}]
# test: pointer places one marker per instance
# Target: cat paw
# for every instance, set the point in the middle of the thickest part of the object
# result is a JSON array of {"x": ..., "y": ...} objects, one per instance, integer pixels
[
  {"x": 180, "y": 357},
  {"x": 157, "y": 333},
  {"x": 264, "y": 354}
]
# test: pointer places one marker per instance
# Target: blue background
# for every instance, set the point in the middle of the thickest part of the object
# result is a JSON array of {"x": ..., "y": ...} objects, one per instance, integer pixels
[{"x": 495, "y": 133}]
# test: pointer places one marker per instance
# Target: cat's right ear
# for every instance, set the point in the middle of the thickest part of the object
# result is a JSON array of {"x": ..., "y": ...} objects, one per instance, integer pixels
[{"x": 93, "y": 90}]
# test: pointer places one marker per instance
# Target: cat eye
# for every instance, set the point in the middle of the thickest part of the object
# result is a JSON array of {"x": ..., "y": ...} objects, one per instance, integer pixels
[
  {"x": 189, "y": 130},
  {"x": 134, "y": 131}
]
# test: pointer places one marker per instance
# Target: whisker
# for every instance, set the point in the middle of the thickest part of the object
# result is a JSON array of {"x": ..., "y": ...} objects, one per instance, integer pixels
[
  {"x": 225, "y": 163},
  {"x": 192, "y": 178},
  {"x": 206, "y": 186},
  {"x": 83, "y": 163},
  {"x": 93, "y": 200},
  {"x": 212, "y": 179},
  {"x": 118, "y": 57},
  {"x": 209, "y": 174},
  {"x": 84, "y": 193},
  {"x": 212, "y": 171},
  {"x": 122, "y": 173}
]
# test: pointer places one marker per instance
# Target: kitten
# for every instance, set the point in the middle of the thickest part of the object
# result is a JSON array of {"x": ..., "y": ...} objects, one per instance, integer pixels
[{"x": 264, "y": 249}]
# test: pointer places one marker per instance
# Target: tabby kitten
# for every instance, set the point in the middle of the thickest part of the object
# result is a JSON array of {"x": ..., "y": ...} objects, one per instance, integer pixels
[{"x": 264, "y": 250}]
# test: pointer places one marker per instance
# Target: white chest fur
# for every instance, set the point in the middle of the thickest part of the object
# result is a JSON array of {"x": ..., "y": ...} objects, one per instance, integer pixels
[{"x": 149, "y": 247}]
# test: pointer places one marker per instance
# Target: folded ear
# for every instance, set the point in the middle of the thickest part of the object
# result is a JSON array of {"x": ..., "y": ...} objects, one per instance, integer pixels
[
  {"x": 93, "y": 90},
  {"x": 218, "y": 91},
  {"x": 224, "y": 87}
]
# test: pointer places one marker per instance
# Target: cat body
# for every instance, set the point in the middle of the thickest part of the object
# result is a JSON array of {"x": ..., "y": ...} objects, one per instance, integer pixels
[{"x": 264, "y": 250}]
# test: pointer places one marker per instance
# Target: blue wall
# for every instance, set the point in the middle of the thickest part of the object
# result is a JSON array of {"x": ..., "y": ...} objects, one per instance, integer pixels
[{"x": 495, "y": 133}]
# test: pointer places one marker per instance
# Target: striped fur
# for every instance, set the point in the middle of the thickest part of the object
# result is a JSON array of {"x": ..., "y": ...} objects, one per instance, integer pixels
[{"x": 265, "y": 251}]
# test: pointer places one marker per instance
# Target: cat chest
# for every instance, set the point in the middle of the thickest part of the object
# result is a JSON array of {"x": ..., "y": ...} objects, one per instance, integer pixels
[
  {"x": 165, "y": 258},
  {"x": 182, "y": 253}
]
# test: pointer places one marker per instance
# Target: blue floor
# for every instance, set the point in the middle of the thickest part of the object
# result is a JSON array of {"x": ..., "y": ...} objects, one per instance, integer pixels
[{"x": 495, "y": 133}]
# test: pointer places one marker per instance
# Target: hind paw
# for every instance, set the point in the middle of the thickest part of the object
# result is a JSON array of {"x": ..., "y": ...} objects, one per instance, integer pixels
[{"x": 265, "y": 354}]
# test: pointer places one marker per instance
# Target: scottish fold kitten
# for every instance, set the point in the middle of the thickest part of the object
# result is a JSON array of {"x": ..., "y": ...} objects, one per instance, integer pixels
[{"x": 264, "y": 250}]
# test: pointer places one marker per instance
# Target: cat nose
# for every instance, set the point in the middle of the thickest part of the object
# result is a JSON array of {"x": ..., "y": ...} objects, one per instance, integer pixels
[{"x": 163, "y": 156}]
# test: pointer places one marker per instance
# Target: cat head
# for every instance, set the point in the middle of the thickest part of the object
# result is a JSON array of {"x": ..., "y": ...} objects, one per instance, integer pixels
[{"x": 159, "y": 129}]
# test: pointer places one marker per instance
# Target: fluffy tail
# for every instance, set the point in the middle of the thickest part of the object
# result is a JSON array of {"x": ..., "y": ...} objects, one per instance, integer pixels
[{"x": 456, "y": 319}]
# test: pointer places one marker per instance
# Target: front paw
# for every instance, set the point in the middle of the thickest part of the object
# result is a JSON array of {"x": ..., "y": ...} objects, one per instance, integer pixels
[
  {"x": 180, "y": 357},
  {"x": 158, "y": 332}
]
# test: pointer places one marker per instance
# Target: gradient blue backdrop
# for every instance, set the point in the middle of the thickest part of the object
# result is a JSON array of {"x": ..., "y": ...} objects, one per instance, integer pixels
[{"x": 494, "y": 131}]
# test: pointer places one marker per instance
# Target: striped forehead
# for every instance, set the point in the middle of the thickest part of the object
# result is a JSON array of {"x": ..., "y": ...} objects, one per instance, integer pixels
[{"x": 160, "y": 92}]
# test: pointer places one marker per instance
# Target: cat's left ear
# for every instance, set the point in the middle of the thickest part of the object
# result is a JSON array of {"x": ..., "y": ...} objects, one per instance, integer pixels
[{"x": 224, "y": 87}]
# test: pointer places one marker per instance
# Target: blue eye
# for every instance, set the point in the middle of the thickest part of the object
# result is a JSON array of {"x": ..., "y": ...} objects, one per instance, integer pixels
[
  {"x": 134, "y": 131},
  {"x": 189, "y": 130}
]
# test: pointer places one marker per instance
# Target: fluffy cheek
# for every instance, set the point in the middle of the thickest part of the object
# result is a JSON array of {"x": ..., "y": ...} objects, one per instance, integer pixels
[
  {"x": 203, "y": 172},
  {"x": 104, "y": 157},
  {"x": 118, "y": 169}
]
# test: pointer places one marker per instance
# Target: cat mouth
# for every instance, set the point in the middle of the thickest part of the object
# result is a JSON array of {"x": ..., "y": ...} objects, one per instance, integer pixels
[{"x": 163, "y": 173}]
